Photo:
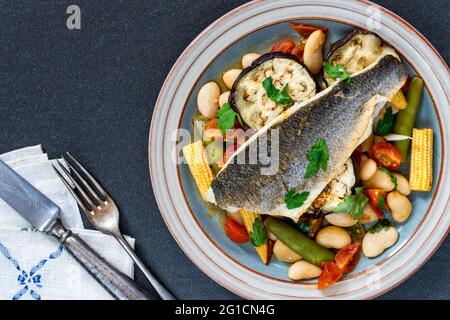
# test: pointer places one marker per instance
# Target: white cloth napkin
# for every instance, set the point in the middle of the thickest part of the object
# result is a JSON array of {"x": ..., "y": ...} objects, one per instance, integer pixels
[{"x": 33, "y": 265}]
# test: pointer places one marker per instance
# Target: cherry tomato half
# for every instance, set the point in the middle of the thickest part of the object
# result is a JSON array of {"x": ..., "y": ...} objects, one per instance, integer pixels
[
  {"x": 212, "y": 124},
  {"x": 235, "y": 231},
  {"x": 331, "y": 274},
  {"x": 298, "y": 51},
  {"x": 386, "y": 155},
  {"x": 284, "y": 45},
  {"x": 305, "y": 30},
  {"x": 374, "y": 196},
  {"x": 347, "y": 257}
]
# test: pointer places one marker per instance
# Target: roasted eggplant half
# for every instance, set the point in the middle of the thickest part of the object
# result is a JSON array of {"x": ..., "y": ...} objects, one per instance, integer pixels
[
  {"x": 249, "y": 98},
  {"x": 356, "y": 51}
]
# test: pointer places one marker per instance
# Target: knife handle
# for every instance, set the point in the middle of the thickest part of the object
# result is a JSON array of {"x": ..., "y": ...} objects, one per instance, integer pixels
[{"x": 115, "y": 282}]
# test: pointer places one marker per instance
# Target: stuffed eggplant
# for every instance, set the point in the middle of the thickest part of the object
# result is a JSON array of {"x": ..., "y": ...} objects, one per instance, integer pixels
[
  {"x": 357, "y": 51},
  {"x": 249, "y": 98}
]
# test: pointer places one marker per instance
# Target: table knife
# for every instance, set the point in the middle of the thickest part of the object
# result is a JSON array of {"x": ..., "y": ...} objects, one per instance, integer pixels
[{"x": 43, "y": 214}]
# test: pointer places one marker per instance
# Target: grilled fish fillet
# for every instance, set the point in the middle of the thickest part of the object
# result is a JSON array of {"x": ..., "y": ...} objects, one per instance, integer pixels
[{"x": 340, "y": 114}]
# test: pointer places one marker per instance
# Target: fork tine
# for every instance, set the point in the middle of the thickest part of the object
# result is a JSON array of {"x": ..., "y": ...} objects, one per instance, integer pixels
[
  {"x": 89, "y": 177},
  {"x": 83, "y": 182},
  {"x": 71, "y": 189},
  {"x": 85, "y": 196}
]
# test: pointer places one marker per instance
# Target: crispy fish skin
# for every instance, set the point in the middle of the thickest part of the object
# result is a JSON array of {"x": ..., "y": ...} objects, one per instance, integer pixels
[{"x": 340, "y": 115}]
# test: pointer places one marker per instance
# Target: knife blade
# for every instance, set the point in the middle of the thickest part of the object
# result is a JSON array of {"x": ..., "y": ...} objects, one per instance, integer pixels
[{"x": 29, "y": 202}]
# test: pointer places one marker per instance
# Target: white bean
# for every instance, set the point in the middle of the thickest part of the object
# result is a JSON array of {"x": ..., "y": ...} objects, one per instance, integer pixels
[
  {"x": 313, "y": 56},
  {"x": 368, "y": 169},
  {"x": 341, "y": 219},
  {"x": 402, "y": 184},
  {"x": 375, "y": 244},
  {"x": 248, "y": 59},
  {"x": 208, "y": 100},
  {"x": 303, "y": 270},
  {"x": 369, "y": 215},
  {"x": 399, "y": 205},
  {"x": 223, "y": 98},
  {"x": 230, "y": 77},
  {"x": 284, "y": 253},
  {"x": 380, "y": 180},
  {"x": 333, "y": 237}
]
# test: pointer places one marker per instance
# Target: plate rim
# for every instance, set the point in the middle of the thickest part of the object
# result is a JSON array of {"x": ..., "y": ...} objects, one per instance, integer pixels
[{"x": 231, "y": 13}]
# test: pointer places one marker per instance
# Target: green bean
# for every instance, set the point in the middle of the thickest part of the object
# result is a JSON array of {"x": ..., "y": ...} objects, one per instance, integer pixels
[
  {"x": 298, "y": 242},
  {"x": 406, "y": 118}
]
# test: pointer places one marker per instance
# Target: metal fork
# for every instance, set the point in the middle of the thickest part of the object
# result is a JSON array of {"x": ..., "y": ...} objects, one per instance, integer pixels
[{"x": 102, "y": 212}]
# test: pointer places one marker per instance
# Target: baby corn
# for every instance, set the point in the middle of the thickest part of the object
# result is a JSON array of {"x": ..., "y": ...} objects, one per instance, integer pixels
[
  {"x": 197, "y": 160},
  {"x": 421, "y": 175},
  {"x": 399, "y": 100},
  {"x": 249, "y": 220}
]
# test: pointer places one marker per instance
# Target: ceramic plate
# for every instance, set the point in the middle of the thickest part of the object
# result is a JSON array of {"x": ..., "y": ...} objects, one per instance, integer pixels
[{"x": 254, "y": 27}]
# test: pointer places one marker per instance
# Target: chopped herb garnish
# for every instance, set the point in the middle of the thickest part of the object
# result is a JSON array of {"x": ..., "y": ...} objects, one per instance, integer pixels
[
  {"x": 227, "y": 117},
  {"x": 386, "y": 125},
  {"x": 279, "y": 96},
  {"x": 353, "y": 204},
  {"x": 258, "y": 236},
  {"x": 337, "y": 72},
  {"x": 295, "y": 200},
  {"x": 380, "y": 226},
  {"x": 318, "y": 158},
  {"x": 381, "y": 202},
  {"x": 304, "y": 226},
  {"x": 393, "y": 178}
]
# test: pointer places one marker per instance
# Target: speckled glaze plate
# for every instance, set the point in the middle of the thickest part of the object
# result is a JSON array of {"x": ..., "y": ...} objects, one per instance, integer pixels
[{"x": 253, "y": 28}]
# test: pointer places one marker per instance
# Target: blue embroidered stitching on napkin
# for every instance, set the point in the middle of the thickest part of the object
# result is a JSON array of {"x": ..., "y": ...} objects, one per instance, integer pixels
[{"x": 24, "y": 278}]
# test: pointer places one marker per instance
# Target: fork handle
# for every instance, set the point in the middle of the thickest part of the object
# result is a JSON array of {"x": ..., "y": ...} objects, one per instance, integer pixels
[
  {"x": 159, "y": 288},
  {"x": 115, "y": 282}
]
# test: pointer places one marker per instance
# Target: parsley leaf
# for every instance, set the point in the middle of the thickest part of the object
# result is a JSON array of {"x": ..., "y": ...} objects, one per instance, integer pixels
[
  {"x": 295, "y": 200},
  {"x": 281, "y": 97},
  {"x": 284, "y": 98},
  {"x": 258, "y": 235},
  {"x": 380, "y": 226},
  {"x": 381, "y": 202},
  {"x": 227, "y": 117},
  {"x": 270, "y": 88},
  {"x": 393, "y": 178},
  {"x": 337, "y": 72},
  {"x": 386, "y": 125},
  {"x": 318, "y": 158},
  {"x": 353, "y": 204},
  {"x": 304, "y": 226}
]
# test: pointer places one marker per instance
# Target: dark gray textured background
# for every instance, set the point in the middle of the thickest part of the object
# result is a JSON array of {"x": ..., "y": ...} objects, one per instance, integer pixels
[{"x": 92, "y": 92}]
